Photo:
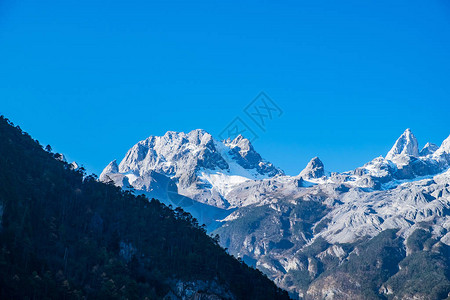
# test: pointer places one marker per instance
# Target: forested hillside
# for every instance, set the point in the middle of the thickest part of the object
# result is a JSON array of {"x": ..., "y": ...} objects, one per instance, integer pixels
[{"x": 64, "y": 235}]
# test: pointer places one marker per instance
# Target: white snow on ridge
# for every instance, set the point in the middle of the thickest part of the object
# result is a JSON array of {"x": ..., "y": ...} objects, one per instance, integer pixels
[
  {"x": 368, "y": 213},
  {"x": 405, "y": 145},
  {"x": 443, "y": 149},
  {"x": 223, "y": 183},
  {"x": 226, "y": 180},
  {"x": 235, "y": 168},
  {"x": 216, "y": 177}
]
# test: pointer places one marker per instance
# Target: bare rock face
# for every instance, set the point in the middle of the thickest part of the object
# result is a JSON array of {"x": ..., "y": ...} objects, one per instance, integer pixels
[
  {"x": 340, "y": 286},
  {"x": 314, "y": 169},
  {"x": 243, "y": 152},
  {"x": 405, "y": 145},
  {"x": 428, "y": 149},
  {"x": 442, "y": 155},
  {"x": 309, "y": 233},
  {"x": 202, "y": 168},
  {"x": 111, "y": 168},
  {"x": 198, "y": 290},
  {"x": 173, "y": 154},
  {"x": 404, "y": 161},
  {"x": 409, "y": 167}
]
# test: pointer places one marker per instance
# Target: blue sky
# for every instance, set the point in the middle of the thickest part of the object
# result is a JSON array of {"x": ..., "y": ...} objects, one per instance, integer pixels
[{"x": 92, "y": 78}]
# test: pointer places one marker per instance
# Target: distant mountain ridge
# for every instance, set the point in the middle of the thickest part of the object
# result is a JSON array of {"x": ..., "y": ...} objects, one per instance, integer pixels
[
  {"x": 201, "y": 167},
  {"x": 302, "y": 230},
  {"x": 206, "y": 170},
  {"x": 65, "y": 235}
]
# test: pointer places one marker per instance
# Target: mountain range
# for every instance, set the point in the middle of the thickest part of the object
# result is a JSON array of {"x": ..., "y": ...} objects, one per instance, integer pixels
[
  {"x": 379, "y": 231},
  {"x": 65, "y": 235}
]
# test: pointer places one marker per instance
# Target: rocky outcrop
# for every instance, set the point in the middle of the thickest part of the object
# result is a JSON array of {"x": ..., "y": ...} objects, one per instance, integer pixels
[
  {"x": 245, "y": 155},
  {"x": 111, "y": 168},
  {"x": 313, "y": 170},
  {"x": 428, "y": 149},
  {"x": 442, "y": 155},
  {"x": 296, "y": 228},
  {"x": 198, "y": 290},
  {"x": 405, "y": 145},
  {"x": 297, "y": 240},
  {"x": 201, "y": 167}
]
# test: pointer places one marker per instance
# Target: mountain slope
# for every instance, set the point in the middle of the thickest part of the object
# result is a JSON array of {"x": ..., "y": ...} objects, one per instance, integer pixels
[
  {"x": 191, "y": 170},
  {"x": 353, "y": 235},
  {"x": 313, "y": 232},
  {"x": 405, "y": 145},
  {"x": 194, "y": 164},
  {"x": 64, "y": 235}
]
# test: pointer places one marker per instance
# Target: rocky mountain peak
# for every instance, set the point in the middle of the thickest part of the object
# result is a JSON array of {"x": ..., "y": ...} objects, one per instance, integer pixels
[
  {"x": 111, "y": 169},
  {"x": 314, "y": 169},
  {"x": 445, "y": 147},
  {"x": 245, "y": 155},
  {"x": 240, "y": 142},
  {"x": 201, "y": 167},
  {"x": 428, "y": 149},
  {"x": 185, "y": 169},
  {"x": 242, "y": 146},
  {"x": 199, "y": 137},
  {"x": 442, "y": 154},
  {"x": 406, "y": 144}
]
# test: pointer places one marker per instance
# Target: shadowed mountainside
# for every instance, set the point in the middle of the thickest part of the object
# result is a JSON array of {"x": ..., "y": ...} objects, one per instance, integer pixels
[{"x": 65, "y": 235}]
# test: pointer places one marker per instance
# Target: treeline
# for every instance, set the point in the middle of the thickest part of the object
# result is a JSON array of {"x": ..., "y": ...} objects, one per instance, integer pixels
[{"x": 64, "y": 235}]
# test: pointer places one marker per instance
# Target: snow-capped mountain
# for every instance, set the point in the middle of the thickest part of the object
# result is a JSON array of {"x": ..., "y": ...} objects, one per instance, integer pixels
[
  {"x": 194, "y": 165},
  {"x": 405, "y": 145},
  {"x": 230, "y": 174},
  {"x": 428, "y": 149},
  {"x": 272, "y": 220},
  {"x": 313, "y": 170}
]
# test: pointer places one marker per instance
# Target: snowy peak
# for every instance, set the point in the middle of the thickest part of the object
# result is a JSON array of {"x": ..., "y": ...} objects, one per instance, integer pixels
[
  {"x": 199, "y": 137},
  {"x": 406, "y": 144},
  {"x": 111, "y": 168},
  {"x": 445, "y": 147},
  {"x": 172, "y": 153},
  {"x": 178, "y": 153},
  {"x": 428, "y": 149},
  {"x": 242, "y": 144},
  {"x": 314, "y": 169},
  {"x": 245, "y": 155},
  {"x": 442, "y": 155},
  {"x": 110, "y": 172},
  {"x": 201, "y": 167},
  {"x": 218, "y": 173}
]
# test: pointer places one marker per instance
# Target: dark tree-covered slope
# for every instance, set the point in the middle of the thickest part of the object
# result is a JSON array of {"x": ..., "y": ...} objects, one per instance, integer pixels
[{"x": 64, "y": 235}]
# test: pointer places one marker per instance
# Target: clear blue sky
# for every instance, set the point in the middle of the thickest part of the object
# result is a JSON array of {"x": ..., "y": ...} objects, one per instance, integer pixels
[{"x": 92, "y": 78}]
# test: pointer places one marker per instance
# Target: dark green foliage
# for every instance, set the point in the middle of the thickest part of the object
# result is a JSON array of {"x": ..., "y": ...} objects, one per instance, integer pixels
[
  {"x": 303, "y": 278},
  {"x": 376, "y": 261},
  {"x": 416, "y": 240},
  {"x": 319, "y": 245},
  {"x": 252, "y": 220},
  {"x": 308, "y": 211},
  {"x": 261, "y": 222},
  {"x": 300, "y": 278},
  {"x": 321, "y": 225},
  {"x": 378, "y": 268},
  {"x": 424, "y": 274},
  {"x": 256, "y": 219},
  {"x": 358, "y": 275},
  {"x": 64, "y": 235}
]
